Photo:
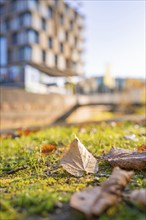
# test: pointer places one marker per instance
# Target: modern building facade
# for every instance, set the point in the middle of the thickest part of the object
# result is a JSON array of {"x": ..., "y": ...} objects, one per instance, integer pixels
[{"x": 39, "y": 40}]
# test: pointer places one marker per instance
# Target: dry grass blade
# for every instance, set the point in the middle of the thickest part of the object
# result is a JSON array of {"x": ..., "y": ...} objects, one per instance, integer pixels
[{"x": 17, "y": 169}]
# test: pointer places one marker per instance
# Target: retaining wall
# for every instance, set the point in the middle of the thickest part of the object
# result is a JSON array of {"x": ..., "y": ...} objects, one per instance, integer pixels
[{"x": 22, "y": 109}]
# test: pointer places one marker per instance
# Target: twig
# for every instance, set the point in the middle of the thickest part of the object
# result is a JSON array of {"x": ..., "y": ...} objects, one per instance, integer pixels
[{"x": 17, "y": 169}]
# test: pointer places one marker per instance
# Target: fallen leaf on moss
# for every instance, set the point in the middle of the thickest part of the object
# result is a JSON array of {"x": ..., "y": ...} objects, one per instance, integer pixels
[
  {"x": 25, "y": 132},
  {"x": 141, "y": 148},
  {"x": 126, "y": 159},
  {"x": 137, "y": 196},
  {"x": 8, "y": 136},
  {"x": 79, "y": 160},
  {"x": 94, "y": 201},
  {"x": 47, "y": 149},
  {"x": 5, "y": 136}
]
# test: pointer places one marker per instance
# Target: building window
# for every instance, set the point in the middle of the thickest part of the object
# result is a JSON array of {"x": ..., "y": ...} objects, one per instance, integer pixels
[
  {"x": 71, "y": 25},
  {"x": 33, "y": 4},
  {"x": 76, "y": 41},
  {"x": 76, "y": 15},
  {"x": 66, "y": 8},
  {"x": 61, "y": 47},
  {"x": 56, "y": 2},
  {"x": 4, "y": 77},
  {"x": 43, "y": 56},
  {"x": 61, "y": 19},
  {"x": 14, "y": 24},
  {"x": 9, "y": 56},
  {"x": 2, "y": 25},
  {"x": 23, "y": 38},
  {"x": 56, "y": 60},
  {"x": 7, "y": 24},
  {"x": 66, "y": 36},
  {"x": 33, "y": 36},
  {"x": 15, "y": 38},
  {"x": 50, "y": 42},
  {"x": 14, "y": 5},
  {"x": 21, "y": 19},
  {"x": 16, "y": 73},
  {"x": 2, "y": 9},
  {"x": 3, "y": 50},
  {"x": 50, "y": 12},
  {"x": 25, "y": 53},
  {"x": 43, "y": 23},
  {"x": 25, "y": 19},
  {"x": 67, "y": 64}
]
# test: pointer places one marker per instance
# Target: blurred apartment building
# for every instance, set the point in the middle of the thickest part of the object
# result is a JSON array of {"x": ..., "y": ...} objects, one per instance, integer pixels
[{"x": 41, "y": 43}]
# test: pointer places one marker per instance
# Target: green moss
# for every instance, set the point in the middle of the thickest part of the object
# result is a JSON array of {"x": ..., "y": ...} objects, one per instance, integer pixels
[{"x": 34, "y": 191}]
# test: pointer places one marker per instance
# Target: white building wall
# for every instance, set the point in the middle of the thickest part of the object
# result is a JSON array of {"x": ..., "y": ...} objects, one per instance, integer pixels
[
  {"x": 36, "y": 54},
  {"x": 32, "y": 80},
  {"x": 61, "y": 63},
  {"x": 50, "y": 59}
]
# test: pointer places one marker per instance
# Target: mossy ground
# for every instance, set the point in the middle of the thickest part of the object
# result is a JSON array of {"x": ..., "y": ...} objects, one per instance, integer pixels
[{"x": 39, "y": 191}]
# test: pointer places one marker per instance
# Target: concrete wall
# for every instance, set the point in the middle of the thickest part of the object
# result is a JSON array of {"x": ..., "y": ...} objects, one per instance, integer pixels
[
  {"x": 133, "y": 96},
  {"x": 23, "y": 109}
]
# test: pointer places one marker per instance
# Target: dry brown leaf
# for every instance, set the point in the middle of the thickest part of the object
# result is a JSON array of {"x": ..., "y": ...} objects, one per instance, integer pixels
[
  {"x": 25, "y": 132},
  {"x": 84, "y": 200},
  {"x": 5, "y": 136},
  {"x": 8, "y": 136},
  {"x": 96, "y": 200},
  {"x": 138, "y": 196},
  {"x": 126, "y": 159},
  {"x": 47, "y": 149},
  {"x": 78, "y": 159},
  {"x": 141, "y": 148}
]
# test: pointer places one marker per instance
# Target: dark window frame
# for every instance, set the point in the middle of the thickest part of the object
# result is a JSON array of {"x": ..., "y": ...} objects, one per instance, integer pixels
[
  {"x": 2, "y": 9},
  {"x": 71, "y": 24},
  {"x": 14, "y": 5},
  {"x": 7, "y": 24},
  {"x": 43, "y": 56},
  {"x": 67, "y": 64},
  {"x": 66, "y": 35},
  {"x": 76, "y": 41},
  {"x": 56, "y": 60},
  {"x": 22, "y": 52},
  {"x": 36, "y": 35},
  {"x": 50, "y": 42},
  {"x": 50, "y": 12},
  {"x": 14, "y": 38},
  {"x": 43, "y": 23},
  {"x": 22, "y": 15},
  {"x": 61, "y": 19},
  {"x": 9, "y": 55},
  {"x": 61, "y": 47}
]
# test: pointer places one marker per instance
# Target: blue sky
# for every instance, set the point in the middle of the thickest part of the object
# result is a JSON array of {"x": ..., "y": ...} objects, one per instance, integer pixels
[{"x": 115, "y": 34}]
